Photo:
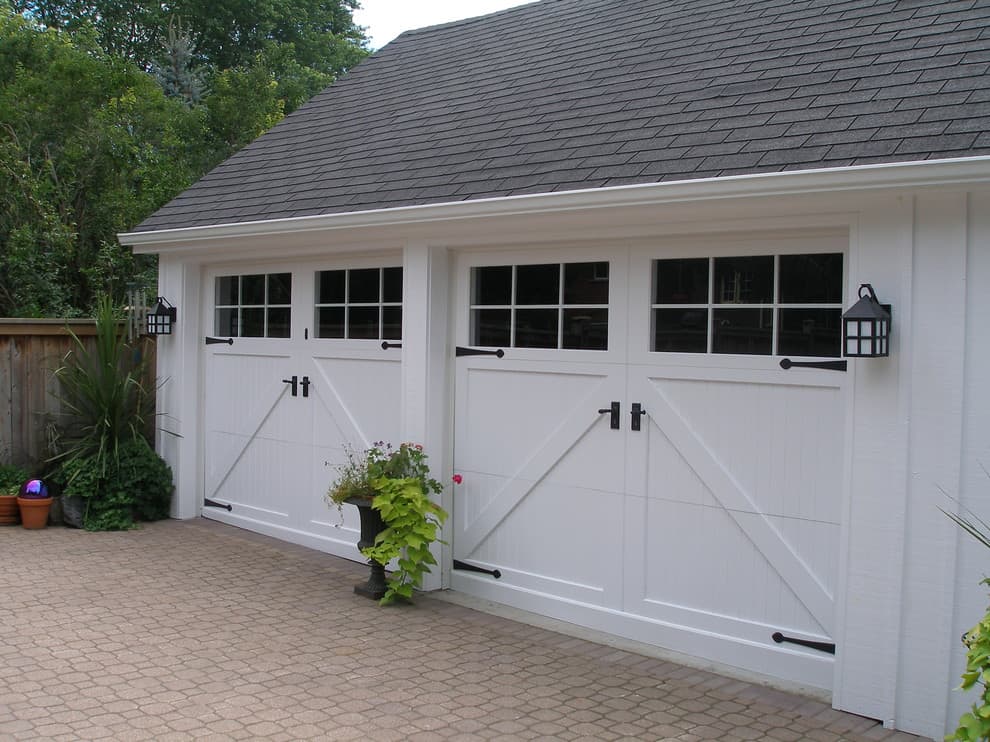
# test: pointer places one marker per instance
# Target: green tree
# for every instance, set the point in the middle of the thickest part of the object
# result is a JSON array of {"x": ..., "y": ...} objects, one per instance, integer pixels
[
  {"x": 109, "y": 108},
  {"x": 243, "y": 104},
  {"x": 176, "y": 73},
  {"x": 305, "y": 44},
  {"x": 89, "y": 146}
]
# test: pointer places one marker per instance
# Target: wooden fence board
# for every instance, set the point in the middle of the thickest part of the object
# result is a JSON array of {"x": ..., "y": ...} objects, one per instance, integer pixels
[
  {"x": 6, "y": 413},
  {"x": 30, "y": 351}
]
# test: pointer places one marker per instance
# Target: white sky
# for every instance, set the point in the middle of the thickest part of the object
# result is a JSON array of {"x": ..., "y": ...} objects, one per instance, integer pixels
[{"x": 386, "y": 19}]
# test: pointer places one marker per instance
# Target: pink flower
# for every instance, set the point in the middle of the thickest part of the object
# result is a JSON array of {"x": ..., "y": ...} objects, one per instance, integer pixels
[{"x": 457, "y": 478}]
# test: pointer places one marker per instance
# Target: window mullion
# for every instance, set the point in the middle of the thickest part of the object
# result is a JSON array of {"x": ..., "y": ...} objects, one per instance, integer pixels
[
  {"x": 711, "y": 305},
  {"x": 512, "y": 310},
  {"x": 347, "y": 303},
  {"x": 773, "y": 310}
]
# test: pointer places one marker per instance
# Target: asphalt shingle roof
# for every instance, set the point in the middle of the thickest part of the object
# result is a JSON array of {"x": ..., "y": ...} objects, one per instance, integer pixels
[{"x": 567, "y": 94}]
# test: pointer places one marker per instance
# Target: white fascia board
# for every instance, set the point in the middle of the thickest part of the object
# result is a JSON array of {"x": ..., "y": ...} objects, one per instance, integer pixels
[{"x": 963, "y": 171}]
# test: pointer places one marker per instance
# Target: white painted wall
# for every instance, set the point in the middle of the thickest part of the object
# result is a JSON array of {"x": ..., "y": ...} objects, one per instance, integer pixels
[
  {"x": 972, "y": 560},
  {"x": 935, "y": 389},
  {"x": 179, "y": 384},
  {"x": 426, "y": 362}
]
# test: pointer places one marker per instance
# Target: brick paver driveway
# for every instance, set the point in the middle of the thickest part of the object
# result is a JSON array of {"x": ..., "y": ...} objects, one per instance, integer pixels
[{"x": 186, "y": 630}]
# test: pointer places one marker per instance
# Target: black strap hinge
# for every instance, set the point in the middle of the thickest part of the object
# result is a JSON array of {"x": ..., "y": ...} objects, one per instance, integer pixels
[
  {"x": 472, "y": 568},
  {"x": 462, "y": 351},
  {"x": 820, "y": 646},
  {"x": 786, "y": 363},
  {"x": 208, "y": 503}
]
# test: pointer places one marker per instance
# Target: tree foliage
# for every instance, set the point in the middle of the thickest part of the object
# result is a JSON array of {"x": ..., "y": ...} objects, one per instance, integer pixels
[
  {"x": 89, "y": 146},
  {"x": 108, "y": 109},
  {"x": 317, "y": 35}
]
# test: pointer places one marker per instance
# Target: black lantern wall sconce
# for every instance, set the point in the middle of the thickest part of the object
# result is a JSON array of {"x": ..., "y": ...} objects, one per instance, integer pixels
[
  {"x": 866, "y": 326},
  {"x": 161, "y": 318}
]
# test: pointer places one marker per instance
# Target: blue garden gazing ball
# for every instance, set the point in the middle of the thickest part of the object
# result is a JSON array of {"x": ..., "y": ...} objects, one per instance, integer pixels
[{"x": 34, "y": 489}]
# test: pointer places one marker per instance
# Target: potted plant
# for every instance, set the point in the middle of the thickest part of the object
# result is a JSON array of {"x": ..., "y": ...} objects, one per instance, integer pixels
[
  {"x": 109, "y": 473},
  {"x": 391, "y": 488},
  {"x": 34, "y": 503},
  {"x": 11, "y": 478}
]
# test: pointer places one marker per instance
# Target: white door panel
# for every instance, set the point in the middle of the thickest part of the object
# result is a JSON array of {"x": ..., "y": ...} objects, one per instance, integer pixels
[
  {"x": 709, "y": 529},
  {"x": 534, "y": 479},
  {"x": 271, "y": 455}
]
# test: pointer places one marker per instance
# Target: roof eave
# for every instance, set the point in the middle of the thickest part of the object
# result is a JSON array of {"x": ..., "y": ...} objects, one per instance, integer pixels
[{"x": 961, "y": 171}]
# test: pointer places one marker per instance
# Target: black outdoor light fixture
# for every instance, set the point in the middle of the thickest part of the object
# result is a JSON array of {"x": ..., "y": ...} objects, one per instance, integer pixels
[
  {"x": 866, "y": 326},
  {"x": 161, "y": 318}
]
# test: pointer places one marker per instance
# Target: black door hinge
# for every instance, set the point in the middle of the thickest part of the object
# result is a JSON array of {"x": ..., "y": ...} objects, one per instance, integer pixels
[
  {"x": 462, "y": 351},
  {"x": 786, "y": 363},
  {"x": 464, "y": 566},
  {"x": 820, "y": 646}
]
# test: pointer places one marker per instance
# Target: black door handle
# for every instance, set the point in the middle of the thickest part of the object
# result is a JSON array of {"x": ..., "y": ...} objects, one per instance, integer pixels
[
  {"x": 614, "y": 412},
  {"x": 637, "y": 412},
  {"x": 294, "y": 381},
  {"x": 305, "y": 385}
]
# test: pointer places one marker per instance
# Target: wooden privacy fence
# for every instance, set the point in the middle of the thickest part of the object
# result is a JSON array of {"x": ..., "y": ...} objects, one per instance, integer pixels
[{"x": 30, "y": 351}]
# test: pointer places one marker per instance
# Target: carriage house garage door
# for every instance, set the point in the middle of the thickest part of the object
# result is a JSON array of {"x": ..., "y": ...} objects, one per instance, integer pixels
[
  {"x": 304, "y": 378},
  {"x": 703, "y": 525}
]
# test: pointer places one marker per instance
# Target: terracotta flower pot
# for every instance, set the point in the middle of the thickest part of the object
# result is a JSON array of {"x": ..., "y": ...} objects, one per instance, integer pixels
[
  {"x": 34, "y": 511},
  {"x": 9, "y": 512}
]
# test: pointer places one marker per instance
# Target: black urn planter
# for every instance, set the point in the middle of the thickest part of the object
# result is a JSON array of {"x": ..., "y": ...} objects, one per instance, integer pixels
[{"x": 371, "y": 525}]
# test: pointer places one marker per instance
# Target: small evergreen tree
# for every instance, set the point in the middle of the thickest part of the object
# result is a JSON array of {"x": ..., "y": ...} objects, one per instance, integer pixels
[{"x": 176, "y": 73}]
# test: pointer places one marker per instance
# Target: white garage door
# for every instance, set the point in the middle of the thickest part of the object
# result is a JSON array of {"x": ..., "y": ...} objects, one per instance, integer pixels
[
  {"x": 295, "y": 375},
  {"x": 711, "y": 521}
]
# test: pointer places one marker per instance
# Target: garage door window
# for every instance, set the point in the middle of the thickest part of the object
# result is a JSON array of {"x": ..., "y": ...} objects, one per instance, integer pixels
[
  {"x": 752, "y": 305},
  {"x": 551, "y": 305},
  {"x": 257, "y": 305},
  {"x": 359, "y": 304}
]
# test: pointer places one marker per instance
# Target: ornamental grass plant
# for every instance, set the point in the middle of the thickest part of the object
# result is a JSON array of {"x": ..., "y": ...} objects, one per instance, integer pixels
[{"x": 104, "y": 456}]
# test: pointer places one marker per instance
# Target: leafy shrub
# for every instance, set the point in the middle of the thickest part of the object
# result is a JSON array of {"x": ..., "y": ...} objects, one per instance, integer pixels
[
  {"x": 145, "y": 474},
  {"x": 138, "y": 486},
  {"x": 975, "y": 723},
  {"x": 11, "y": 478}
]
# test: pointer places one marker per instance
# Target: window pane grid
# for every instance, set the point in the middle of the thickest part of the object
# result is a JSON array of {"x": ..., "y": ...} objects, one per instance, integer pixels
[
  {"x": 523, "y": 323},
  {"x": 238, "y": 318},
  {"x": 360, "y": 318},
  {"x": 732, "y": 325}
]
